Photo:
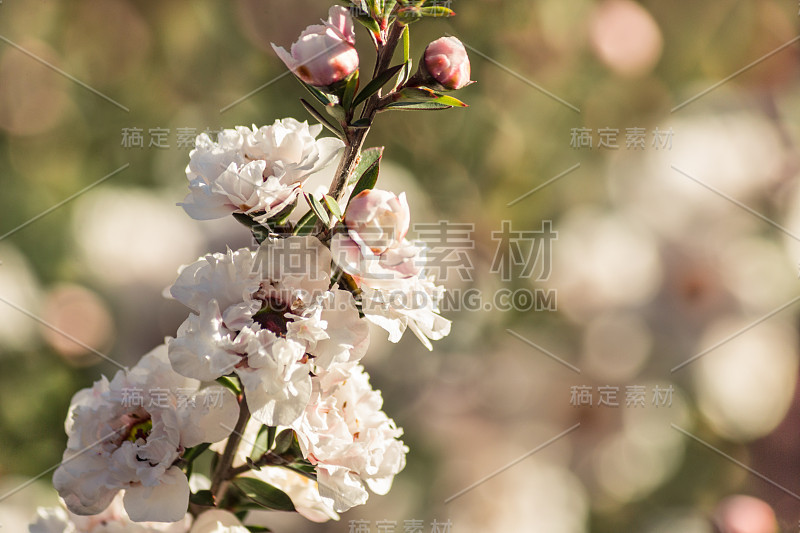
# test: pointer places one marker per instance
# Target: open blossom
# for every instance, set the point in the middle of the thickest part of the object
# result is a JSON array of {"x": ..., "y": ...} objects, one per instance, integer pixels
[
  {"x": 114, "y": 519},
  {"x": 396, "y": 294},
  {"x": 325, "y": 53},
  {"x": 447, "y": 62},
  {"x": 127, "y": 433},
  {"x": 349, "y": 439},
  {"x": 254, "y": 170},
  {"x": 268, "y": 316}
]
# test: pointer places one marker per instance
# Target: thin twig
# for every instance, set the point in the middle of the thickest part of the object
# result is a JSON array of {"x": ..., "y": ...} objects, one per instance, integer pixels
[{"x": 221, "y": 474}]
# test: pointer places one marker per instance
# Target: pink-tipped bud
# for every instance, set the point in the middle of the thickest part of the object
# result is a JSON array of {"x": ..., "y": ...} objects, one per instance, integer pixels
[
  {"x": 378, "y": 219},
  {"x": 325, "y": 53},
  {"x": 447, "y": 62}
]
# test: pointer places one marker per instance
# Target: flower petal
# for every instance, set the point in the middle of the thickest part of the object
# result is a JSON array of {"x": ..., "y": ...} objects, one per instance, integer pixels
[{"x": 165, "y": 502}]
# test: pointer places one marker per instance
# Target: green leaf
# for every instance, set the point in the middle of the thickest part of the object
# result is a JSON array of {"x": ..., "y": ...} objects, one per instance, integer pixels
[
  {"x": 422, "y": 98},
  {"x": 333, "y": 206},
  {"x": 388, "y": 6},
  {"x": 350, "y": 91},
  {"x": 258, "y": 529},
  {"x": 316, "y": 206},
  {"x": 374, "y": 9},
  {"x": 306, "y": 224},
  {"x": 264, "y": 494},
  {"x": 193, "y": 453},
  {"x": 271, "y": 436},
  {"x": 282, "y": 216},
  {"x": 229, "y": 384},
  {"x": 319, "y": 96},
  {"x": 437, "y": 11},
  {"x": 283, "y": 442},
  {"x": 369, "y": 23},
  {"x": 367, "y": 159},
  {"x": 260, "y": 233},
  {"x": 336, "y": 111},
  {"x": 406, "y": 72},
  {"x": 361, "y": 123},
  {"x": 375, "y": 85},
  {"x": 202, "y": 497},
  {"x": 417, "y": 106},
  {"x": 261, "y": 443},
  {"x": 322, "y": 120},
  {"x": 368, "y": 179}
]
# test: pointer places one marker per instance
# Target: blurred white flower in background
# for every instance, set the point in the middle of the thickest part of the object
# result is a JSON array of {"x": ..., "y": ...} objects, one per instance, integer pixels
[
  {"x": 18, "y": 285},
  {"x": 132, "y": 236},
  {"x": 603, "y": 261},
  {"x": 745, "y": 386}
]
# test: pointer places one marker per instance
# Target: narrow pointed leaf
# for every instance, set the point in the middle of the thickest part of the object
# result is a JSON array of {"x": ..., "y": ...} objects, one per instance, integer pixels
[
  {"x": 322, "y": 120},
  {"x": 406, "y": 72},
  {"x": 193, "y": 453},
  {"x": 261, "y": 443},
  {"x": 368, "y": 158},
  {"x": 260, "y": 233},
  {"x": 388, "y": 6},
  {"x": 264, "y": 494},
  {"x": 375, "y": 85},
  {"x": 416, "y": 106},
  {"x": 437, "y": 11},
  {"x": 318, "y": 95},
  {"x": 282, "y": 216},
  {"x": 368, "y": 179},
  {"x": 229, "y": 384},
  {"x": 318, "y": 209},
  {"x": 203, "y": 498},
  {"x": 283, "y": 441},
  {"x": 361, "y": 123},
  {"x": 350, "y": 91},
  {"x": 333, "y": 206},
  {"x": 369, "y": 23}
]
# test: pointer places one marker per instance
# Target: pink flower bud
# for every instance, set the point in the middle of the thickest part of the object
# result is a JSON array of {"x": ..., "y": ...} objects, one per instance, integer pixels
[
  {"x": 447, "y": 62},
  {"x": 325, "y": 53},
  {"x": 378, "y": 219}
]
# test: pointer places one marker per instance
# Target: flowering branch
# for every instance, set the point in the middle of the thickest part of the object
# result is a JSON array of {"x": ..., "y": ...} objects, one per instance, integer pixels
[{"x": 292, "y": 336}]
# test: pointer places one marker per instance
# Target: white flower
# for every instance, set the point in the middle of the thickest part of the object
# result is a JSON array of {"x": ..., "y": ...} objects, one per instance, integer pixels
[
  {"x": 218, "y": 521},
  {"x": 325, "y": 53},
  {"x": 396, "y": 294},
  {"x": 255, "y": 171},
  {"x": 349, "y": 439},
  {"x": 114, "y": 519},
  {"x": 270, "y": 317},
  {"x": 128, "y": 433}
]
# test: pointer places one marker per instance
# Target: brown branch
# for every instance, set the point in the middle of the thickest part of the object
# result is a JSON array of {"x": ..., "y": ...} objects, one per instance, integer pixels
[{"x": 224, "y": 465}]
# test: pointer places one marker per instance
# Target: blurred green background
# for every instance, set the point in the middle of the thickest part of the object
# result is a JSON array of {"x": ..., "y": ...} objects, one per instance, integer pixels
[{"x": 663, "y": 252}]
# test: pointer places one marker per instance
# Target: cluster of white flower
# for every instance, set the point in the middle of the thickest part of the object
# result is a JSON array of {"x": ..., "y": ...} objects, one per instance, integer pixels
[
  {"x": 295, "y": 424},
  {"x": 258, "y": 170}
]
